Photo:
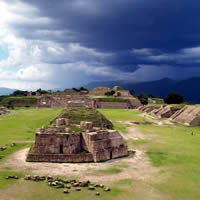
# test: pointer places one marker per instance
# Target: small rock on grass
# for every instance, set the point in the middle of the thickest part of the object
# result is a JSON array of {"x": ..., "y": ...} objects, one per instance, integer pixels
[
  {"x": 107, "y": 189},
  {"x": 91, "y": 188},
  {"x": 78, "y": 189},
  {"x": 66, "y": 191},
  {"x": 97, "y": 194}
]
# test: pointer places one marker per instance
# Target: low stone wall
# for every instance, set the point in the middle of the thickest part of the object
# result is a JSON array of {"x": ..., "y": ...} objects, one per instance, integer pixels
[
  {"x": 61, "y": 101},
  {"x": 60, "y": 158},
  {"x": 114, "y": 105}
]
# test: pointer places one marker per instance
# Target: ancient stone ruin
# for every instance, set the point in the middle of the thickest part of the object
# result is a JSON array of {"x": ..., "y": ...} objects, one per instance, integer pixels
[
  {"x": 64, "y": 101},
  {"x": 164, "y": 111},
  {"x": 3, "y": 111},
  {"x": 63, "y": 143},
  {"x": 188, "y": 115}
]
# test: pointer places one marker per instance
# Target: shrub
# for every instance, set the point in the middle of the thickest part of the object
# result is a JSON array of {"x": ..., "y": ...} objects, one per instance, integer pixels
[
  {"x": 174, "y": 98},
  {"x": 143, "y": 99},
  {"x": 110, "y": 93}
]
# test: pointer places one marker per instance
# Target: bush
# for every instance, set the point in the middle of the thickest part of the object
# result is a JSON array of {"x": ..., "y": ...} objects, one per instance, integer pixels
[
  {"x": 173, "y": 98},
  {"x": 110, "y": 93},
  {"x": 143, "y": 99}
]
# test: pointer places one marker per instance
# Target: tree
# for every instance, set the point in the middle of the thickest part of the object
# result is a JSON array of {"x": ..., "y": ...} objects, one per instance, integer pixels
[
  {"x": 143, "y": 99},
  {"x": 110, "y": 93},
  {"x": 174, "y": 98},
  {"x": 132, "y": 92},
  {"x": 40, "y": 91},
  {"x": 19, "y": 93}
]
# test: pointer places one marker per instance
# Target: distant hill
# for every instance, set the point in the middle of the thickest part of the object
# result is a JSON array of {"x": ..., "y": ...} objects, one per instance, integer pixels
[
  {"x": 6, "y": 91},
  {"x": 188, "y": 88}
]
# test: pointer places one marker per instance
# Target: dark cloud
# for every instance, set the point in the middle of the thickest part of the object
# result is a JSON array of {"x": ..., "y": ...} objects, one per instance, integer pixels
[{"x": 133, "y": 32}]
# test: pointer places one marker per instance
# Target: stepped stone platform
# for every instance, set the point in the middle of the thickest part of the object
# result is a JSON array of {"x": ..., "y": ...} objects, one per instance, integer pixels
[
  {"x": 57, "y": 144},
  {"x": 164, "y": 111},
  {"x": 189, "y": 116}
]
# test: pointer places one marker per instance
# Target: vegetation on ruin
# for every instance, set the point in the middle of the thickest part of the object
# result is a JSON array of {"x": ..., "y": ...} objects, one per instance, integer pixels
[
  {"x": 11, "y": 102},
  {"x": 89, "y": 115}
]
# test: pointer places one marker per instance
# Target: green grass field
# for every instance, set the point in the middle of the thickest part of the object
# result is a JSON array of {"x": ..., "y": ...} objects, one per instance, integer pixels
[
  {"x": 172, "y": 149},
  {"x": 20, "y": 126}
]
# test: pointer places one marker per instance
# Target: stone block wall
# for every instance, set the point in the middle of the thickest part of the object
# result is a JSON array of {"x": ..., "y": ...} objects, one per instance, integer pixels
[
  {"x": 98, "y": 145},
  {"x": 60, "y": 158},
  {"x": 114, "y": 105},
  {"x": 105, "y": 144},
  {"x": 57, "y": 143},
  {"x": 61, "y": 101}
]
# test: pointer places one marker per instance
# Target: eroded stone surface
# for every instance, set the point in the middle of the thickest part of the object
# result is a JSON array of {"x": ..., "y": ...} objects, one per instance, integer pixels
[
  {"x": 56, "y": 145},
  {"x": 189, "y": 115}
]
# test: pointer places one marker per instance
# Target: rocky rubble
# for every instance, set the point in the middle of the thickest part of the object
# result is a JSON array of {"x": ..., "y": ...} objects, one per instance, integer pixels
[{"x": 70, "y": 185}]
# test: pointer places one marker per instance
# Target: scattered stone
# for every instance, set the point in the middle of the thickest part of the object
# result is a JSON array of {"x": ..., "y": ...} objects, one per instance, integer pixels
[
  {"x": 13, "y": 145},
  {"x": 59, "y": 186},
  {"x": 97, "y": 194},
  {"x": 72, "y": 181},
  {"x": 28, "y": 177},
  {"x": 107, "y": 189},
  {"x": 101, "y": 186},
  {"x": 49, "y": 178},
  {"x": 97, "y": 185},
  {"x": 12, "y": 177},
  {"x": 84, "y": 183},
  {"x": 91, "y": 188},
  {"x": 75, "y": 184},
  {"x": 65, "y": 181},
  {"x": 68, "y": 186},
  {"x": 78, "y": 189},
  {"x": 53, "y": 184},
  {"x": 3, "y": 148},
  {"x": 66, "y": 191}
]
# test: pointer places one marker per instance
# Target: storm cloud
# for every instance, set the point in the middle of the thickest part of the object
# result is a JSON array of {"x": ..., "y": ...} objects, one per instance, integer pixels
[{"x": 58, "y": 44}]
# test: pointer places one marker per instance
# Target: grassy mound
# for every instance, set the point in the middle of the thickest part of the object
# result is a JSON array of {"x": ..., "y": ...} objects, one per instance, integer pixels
[{"x": 94, "y": 116}]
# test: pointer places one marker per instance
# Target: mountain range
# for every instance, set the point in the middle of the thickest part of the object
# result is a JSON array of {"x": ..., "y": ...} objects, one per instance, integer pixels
[
  {"x": 160, "y": 88},
  {"x": 6, "y": 91}
]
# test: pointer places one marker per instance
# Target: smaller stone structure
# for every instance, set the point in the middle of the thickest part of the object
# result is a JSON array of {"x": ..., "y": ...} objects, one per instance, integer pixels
[
  {"x": 120, "y": 92},
  {"x": 164, "y": 111},
  {"x": 188, "y": 115},
  {"x": 62, "y": 122},
  {"x": 57, "y": 144},
  {"x": 87, "y": 125}
]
